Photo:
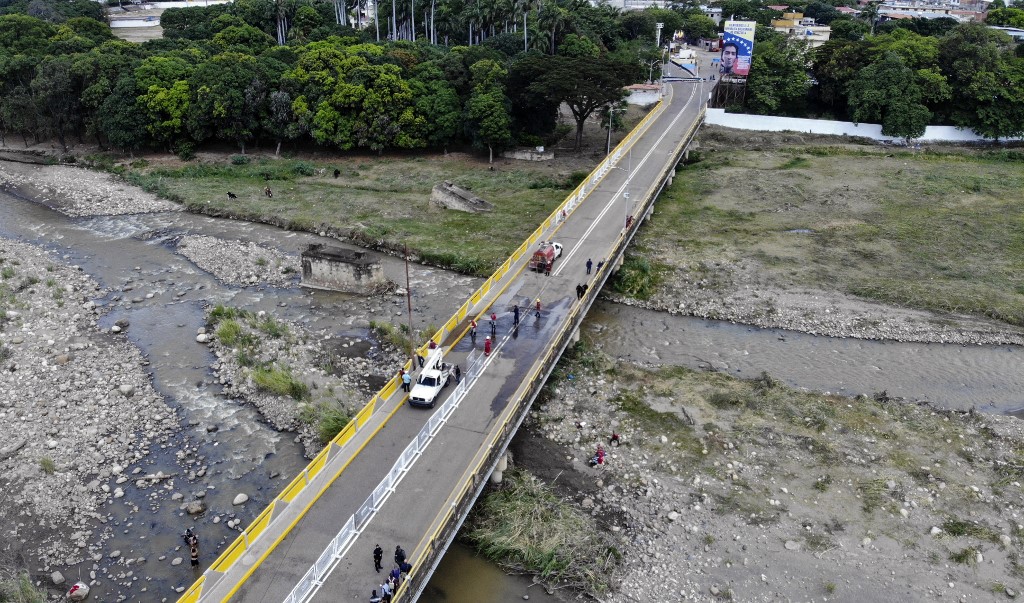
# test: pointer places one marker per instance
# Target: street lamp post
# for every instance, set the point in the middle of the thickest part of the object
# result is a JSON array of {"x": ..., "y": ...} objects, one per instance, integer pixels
[{"x": 611, "y": 118}]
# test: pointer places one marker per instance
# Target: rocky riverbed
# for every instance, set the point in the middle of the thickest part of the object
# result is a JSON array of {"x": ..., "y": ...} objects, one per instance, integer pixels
[
  {"x": 77, "y": 407},
  {"x": 730, "y": 490},
  {"x": 78, "y": 192}
]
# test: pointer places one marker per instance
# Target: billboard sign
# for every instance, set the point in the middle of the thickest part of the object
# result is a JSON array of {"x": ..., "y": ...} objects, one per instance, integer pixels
[{"x": 737, "y": 46}]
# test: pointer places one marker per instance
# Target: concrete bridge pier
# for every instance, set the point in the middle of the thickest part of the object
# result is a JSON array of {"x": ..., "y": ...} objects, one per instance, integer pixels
[
  {"x": 617, "y": 265},
  {"x": 499, "y": 469},
  {"x": 575, "y": 337}
]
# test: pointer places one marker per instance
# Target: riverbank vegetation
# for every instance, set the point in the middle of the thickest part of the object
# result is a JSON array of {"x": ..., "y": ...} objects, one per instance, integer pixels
[
  {"x": 381, "y": 202},
  {"x": 525, "y": 527},
  {"x": 936, "y": 229}
]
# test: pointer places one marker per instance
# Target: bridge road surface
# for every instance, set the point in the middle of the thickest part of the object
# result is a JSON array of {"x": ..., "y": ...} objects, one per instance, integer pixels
[{"x": 406, "y": 517}]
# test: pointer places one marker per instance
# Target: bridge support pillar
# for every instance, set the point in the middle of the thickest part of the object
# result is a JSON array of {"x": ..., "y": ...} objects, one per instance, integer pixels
[
  {"x": 617, "y": 265},
  {"x": 575, "y": 337},
  {"x": 499, "y": 469}
]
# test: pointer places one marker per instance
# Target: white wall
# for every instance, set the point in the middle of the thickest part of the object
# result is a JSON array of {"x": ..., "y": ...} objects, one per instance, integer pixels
[{"x": 766, "y": 123}]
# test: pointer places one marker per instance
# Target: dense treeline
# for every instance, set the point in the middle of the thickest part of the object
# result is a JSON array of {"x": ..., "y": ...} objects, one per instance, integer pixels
[
  {"x": 266, "y": 72},
  {"x": 903, "y": 74},
  {"x": 219, "y": 74}
]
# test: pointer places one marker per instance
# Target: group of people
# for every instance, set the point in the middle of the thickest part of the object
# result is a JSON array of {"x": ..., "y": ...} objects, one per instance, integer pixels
[
  {"x": 192, "y": 541},
  {"x": 396, "y": 576},
  {"x": 581, "y": 290}
]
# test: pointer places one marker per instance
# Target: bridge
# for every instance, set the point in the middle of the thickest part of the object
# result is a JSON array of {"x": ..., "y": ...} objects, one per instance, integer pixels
[{"x": 402, "y": 475}]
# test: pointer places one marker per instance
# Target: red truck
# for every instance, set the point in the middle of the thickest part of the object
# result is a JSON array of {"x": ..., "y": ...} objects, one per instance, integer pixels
[{"x": 544, "y": 258}]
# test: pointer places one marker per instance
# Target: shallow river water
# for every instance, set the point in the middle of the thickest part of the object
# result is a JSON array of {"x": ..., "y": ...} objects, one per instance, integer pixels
[{"x": 243, "y": 453}]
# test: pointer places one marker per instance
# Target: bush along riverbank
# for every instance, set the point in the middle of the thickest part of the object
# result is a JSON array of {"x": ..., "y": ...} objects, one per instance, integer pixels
[
  {"x": 300, "y": 380},
  {"x": 749, "y": 490}
]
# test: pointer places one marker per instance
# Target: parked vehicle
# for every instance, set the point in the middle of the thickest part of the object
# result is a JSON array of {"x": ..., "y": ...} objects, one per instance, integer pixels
[
  {"x": 544, "y": 258},
  {"x": 434, "y": 377}
]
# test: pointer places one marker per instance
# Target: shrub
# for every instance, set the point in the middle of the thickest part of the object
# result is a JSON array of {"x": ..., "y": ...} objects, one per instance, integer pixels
[
  {"x": 240, "y": 159},
  {"x": 329, "y": 418},
  {"x": 638, "y": 278},
  {"x": 21, "y": 590},
  {"x": 228, "y": 332},
  {"x": 7, "y": 272},
  {"x": 281, "y": 382},
  {"x": 186, "y": 151},
  {"x": 304, "y": 168},
  {"x": 47, "y": 465}
]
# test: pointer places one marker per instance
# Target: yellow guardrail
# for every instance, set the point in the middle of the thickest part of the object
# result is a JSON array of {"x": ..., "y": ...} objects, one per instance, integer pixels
[{"x": 241, "y": 544}]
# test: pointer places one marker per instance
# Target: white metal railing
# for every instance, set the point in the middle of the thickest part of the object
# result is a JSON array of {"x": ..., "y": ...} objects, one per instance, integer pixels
[{"x": 314, "y": 577}]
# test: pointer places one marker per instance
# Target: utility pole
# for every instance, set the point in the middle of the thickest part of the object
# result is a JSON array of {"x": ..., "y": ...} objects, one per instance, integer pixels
[
  {"x": 408, "y": 300},
  {"x": 657, "y": 34}
]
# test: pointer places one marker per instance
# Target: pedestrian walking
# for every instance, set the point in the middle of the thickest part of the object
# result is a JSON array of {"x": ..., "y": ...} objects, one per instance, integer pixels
[
  {"x": 432, "y": 345},
  {"x": 515, "y": 315},
  {"x": 538, "y": 307},
  {"x": 458, "y": 374},
  {"x": 385, "y": 592},
  {"x": 378, "y": 555},
  {"x": 547, "y": 269},
  {"x": 494, "y": 325},
  {"x": 599, "y": 265},
  {"x": 585, "y": 288},
  {"x": 406, "y": 381},
  {"x": 579, "y": 291},
  {"x": 419, "y": 359},
  {"x": 487, "y": 346},
  {"x": 194, "y": 551},
  {"x": 472, "y": 329},
  {"x": 395, "y": 577},
  {"x": 399, "y": 555},
  {"x": 269, "y": 193},
  {"x": 374, "y": 598},
  {"x": 590, "y": 264}
]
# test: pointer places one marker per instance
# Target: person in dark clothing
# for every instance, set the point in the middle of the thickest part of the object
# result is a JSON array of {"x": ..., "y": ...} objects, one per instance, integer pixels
[
  {"x": 399, "y": 555},
  {"x": 590, "y": 264},
  {"x": 494, "y": 325},
  {"x": 337, "y": 173},
  {"x": 194, "y": 551},
  {"x": 406, "y": 568},
  {"x": 579, "y": 291},
  {"x": 395, "y": 576},
  {"x": 419, "y": 359},
  {"x": 373, "y": 596},
  {"x": 515, "y": 315},
  {"x": 378, "y": 555},
  {"x": 585, "y": 288},
  {"x": 538, "y": 307},
  {"x": 599, "y": 265},
  {"x": 458, "y": 374},
  {"x": 190, "y": 538}
]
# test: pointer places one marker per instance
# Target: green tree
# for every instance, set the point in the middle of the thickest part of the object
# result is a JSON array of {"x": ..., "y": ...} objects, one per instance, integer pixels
[
  {"x": 578, "y": 46},
  {"x": 21, "y": 34},
  {"x": 584, "y": 84},
  {"x": 845, "y": 28},
  {"x": 228, "y": 94},
  {"x": 122, "y": 119},
  {"x": 778, "y": 81},
  {"x": 438, "y": 102},
  {"x": 487, "y": 110},
  {"x": 699, "y": 26},
  {"x": 53, "y": 88},
  {"x": 1006, "y": 17},
  {"x": 886, "y": 92}
]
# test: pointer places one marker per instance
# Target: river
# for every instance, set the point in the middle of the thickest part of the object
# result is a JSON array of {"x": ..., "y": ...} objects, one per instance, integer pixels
[{"x": 245, "y": 455}]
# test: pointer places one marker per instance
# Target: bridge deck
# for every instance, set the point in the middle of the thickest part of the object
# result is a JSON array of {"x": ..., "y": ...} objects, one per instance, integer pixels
[{"x": 436, "y": 482}]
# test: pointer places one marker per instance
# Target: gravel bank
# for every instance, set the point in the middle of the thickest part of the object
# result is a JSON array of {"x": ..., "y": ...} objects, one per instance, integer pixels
[
  {"x": 78, "y": 192},
  {"x": 77, "y": 406},
  {"x": 735, "y": 292},
  {"x": 777, "y": 495},
  {"x": 241, "y": 263}
]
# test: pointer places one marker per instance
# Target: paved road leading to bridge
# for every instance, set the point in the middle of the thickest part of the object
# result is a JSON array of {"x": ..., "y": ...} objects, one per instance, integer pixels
[{"x": 408, "y": 516}]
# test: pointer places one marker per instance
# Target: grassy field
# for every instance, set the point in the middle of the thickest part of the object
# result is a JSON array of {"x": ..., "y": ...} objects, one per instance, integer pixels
[
  {"x": 381, "y": 201},
  {"x": 939, "y": 230}
]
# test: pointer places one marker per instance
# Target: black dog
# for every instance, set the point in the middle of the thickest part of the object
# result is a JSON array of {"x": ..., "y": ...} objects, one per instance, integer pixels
[
  {"x": 337, "y": 173},
  {"x": 232, "y": 195}
]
